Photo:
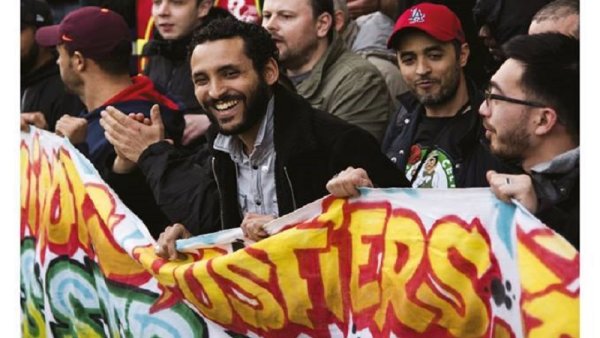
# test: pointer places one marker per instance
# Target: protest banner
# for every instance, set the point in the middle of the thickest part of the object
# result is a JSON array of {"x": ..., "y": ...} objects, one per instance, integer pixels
[{"x": 394, "y": 262}]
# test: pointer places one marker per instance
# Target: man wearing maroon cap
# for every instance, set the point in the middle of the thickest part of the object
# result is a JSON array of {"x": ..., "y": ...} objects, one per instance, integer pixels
[
  {"x": 438, "y": 116},
  {"x": 94, "y": 48}
]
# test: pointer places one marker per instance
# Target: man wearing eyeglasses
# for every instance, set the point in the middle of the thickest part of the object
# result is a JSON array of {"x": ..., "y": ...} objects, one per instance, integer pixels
[{"x": 531, "y": 115}]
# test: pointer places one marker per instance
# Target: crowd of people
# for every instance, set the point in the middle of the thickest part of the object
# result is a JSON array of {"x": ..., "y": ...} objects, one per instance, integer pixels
[{"x": 233, "y": 124}]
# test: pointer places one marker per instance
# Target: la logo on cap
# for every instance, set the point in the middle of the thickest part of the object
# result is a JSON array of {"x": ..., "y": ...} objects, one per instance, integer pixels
[{"x": 416, "y": 16}]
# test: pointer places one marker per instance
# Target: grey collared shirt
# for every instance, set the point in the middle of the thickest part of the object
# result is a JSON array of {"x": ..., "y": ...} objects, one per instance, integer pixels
[{"x": 256, "y": 171}]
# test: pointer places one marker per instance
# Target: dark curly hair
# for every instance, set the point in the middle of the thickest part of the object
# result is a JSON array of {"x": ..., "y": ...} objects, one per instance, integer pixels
[{"x": 258, "y": 45}]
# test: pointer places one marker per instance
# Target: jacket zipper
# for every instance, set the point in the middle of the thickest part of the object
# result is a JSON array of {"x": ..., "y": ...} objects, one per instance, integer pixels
[
  {"x": 219, "y": 190},
  {"x": 240, "y": 210},
  {"x": 287, "y": 176}
]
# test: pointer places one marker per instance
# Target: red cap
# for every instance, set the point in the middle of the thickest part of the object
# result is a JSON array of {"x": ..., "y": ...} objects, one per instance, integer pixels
[
  {"x": 436, "y": 20},
  {"x": 93, "y": 31}
]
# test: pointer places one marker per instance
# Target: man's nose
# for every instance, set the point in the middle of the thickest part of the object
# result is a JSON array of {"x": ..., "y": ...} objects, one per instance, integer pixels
[
  {"x": 216, "y": 89},
  {"x": 423, "y": 66}
]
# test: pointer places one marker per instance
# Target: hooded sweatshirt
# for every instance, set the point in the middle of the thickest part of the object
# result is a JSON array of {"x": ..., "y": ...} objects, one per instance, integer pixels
[{"x": 132, "y": 187}]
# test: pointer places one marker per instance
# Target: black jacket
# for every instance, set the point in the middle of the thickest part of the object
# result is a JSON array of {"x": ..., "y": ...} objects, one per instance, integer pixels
[
  {"x": 557, "y": 192},
  {"x": 169, "y": 69},
  {"x": 43, "y": 90},
  {"x": 311, "y": 147},
  {"x": 463, "y": 140}
]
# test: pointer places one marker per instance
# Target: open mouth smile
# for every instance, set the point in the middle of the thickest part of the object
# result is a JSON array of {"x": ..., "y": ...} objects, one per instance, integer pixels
[{"x": 226, "y": 104}]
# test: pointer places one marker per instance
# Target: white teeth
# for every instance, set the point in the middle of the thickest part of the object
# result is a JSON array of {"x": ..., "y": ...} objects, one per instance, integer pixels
[{"x": 224, "y": 105}]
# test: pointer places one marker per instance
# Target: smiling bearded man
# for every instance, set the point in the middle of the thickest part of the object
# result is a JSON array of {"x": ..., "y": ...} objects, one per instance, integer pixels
[{"x": 271, "y": 152}]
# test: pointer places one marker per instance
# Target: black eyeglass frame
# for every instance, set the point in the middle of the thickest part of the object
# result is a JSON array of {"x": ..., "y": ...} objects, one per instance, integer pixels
[{"x": 489, "y": 96}]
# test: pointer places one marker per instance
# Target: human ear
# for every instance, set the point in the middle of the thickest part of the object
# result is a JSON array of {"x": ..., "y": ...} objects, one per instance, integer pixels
[
  {"x": 204, "y": 7},
  {"x": 465, "y": 51},
  {"x": 271, "y": 72},
  {"x": 78, "y": 61},
  {"x": 546, "y": 120},
  {"x": 324, "y": 22}
]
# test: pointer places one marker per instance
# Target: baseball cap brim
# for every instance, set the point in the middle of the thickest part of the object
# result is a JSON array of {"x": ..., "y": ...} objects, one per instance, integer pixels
[
  {"x": 439, "y": 34},
  {"x": 48, "y": 36}
]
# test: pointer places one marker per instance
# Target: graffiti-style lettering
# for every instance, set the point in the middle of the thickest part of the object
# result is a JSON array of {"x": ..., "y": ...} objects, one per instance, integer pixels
[
  {"x": 545, "y": 286},
  {"x": 73, "y": 301},
  {"x": 200, "y": 288},
  {"x": 384, "y": 264},
  {"x": 457, "y": 267},
  {"x": 247, "y": 289},
  {"x": 33, "y": 322},
  {"x": 404, "y": 253},
  {"x": 366, "y": 229}
]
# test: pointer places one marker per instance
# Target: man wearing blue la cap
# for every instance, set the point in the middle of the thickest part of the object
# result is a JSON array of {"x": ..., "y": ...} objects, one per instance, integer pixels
[{"x": 438, "y": 116}]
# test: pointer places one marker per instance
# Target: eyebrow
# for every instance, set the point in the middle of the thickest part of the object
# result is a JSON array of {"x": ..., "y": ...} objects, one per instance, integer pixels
[
  {"x": 495, "y": 85},
  {"x": 227, "y": 67},
  {"x": 220, "y": 69},
  {"x": 434, "y": 48},
  {"x": 198, "y": 73},
  {"x": 427, "y": 49}
]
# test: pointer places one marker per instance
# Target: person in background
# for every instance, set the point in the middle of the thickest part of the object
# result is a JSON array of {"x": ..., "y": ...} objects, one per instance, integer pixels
[
  {"x": 367, "y": 36},
  {"x": 391, "y": 8},
  {"x": 43, "y": 96},
  {"x": 323, "y": 70},
  {"x": 168, "y": 65},
  {"x": 560, "y": 16},
  {"x": 500, "y": 20}
]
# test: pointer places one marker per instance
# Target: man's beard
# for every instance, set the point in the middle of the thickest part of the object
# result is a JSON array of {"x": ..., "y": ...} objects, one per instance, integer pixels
[
  {"x": 28, "y": 61},
  {"x": 446, "y": 94},
  {"x": 511, "y": 146},
  {"x": 256, "y": 109},
  {"x": 296, "y": 59}
]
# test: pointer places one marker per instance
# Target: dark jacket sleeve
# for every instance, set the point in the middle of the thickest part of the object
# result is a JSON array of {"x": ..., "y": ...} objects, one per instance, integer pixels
[
  {"x": 185, "y": 190},
  {"x": 558, "y": 204},
  {"x": 359, "y": 149},
  {"x": 136, "y": 194}
]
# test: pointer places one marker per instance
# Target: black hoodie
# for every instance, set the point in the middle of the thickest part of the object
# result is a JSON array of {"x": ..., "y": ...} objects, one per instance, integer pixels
[{"x": 43, "y": 90}]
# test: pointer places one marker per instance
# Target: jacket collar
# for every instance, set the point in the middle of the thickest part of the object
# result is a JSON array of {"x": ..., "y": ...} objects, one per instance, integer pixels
[
  {"x": 292, "y": 132},
  {"x": 142, "y": 88},
  {"x": 310, "y": 85},
  {"x": 349, "y": 34},
  {"x": 473, "y": 126},
  {"x": 560, "y": 164}
]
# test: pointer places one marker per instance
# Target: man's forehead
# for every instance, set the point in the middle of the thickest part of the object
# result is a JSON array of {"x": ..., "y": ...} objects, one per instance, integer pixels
[
  {"x": 234, "y": 43},
  {"x": 282, "y": 5},
  {"x": 508, "y": 75},
  {"x": 564, "y": 24},
  {"x": 219, "y": 52},
  {"x": 414, "y": 39}
]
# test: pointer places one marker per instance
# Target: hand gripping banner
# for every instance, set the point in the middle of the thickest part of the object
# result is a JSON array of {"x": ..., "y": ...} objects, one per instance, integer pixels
[{"x": 392, "y": 263}]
